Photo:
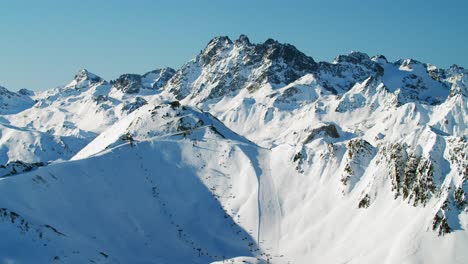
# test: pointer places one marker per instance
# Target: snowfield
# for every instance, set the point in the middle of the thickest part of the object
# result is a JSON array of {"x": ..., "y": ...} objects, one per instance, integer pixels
[{"x": 249, "y": 153}]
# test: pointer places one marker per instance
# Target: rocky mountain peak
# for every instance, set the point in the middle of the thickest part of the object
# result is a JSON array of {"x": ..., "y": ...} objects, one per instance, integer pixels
[
  {"x": 132, "y": 83},
  {"x": 456, "y": 68},
  {"x": 157, "y": 78},
  {"x": 457, "y": 77},
  {"x": 243, "y": 40},
  {"x": 269, "y": 51},
  {"x": 214, "y": 48},
  {"x": 7, "y": 93},
  {"x": 347, "y": 70},
  {"x": 26, "y": 92},
  {"x": 224, "y": 68},
  {"x": 379, "y": 58},
  {"x": 270, "y": 42},
  {"x": 217, "y": 43},
  {"x": 85, "y": 75},
  {"x": 11, "y": 102},
  {"x": 128, "y": 83},
  {"x": 3, "y": 90},
  {"x": 219, "y": 40},
  {"x": 288, "y": 54},
  {"x": 407, "y": 63},
  {"x": 354, "y": 57}
]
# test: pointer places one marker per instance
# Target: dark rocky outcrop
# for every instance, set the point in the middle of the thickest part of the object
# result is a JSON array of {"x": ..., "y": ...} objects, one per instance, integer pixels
[
  {"x": 130, "y": 107},
  {"x": 134, "y": 83},
  {"x": 128, "y": 83},
  {"x": 326, "y": 130},
  {"x": 17, "y": 167}
]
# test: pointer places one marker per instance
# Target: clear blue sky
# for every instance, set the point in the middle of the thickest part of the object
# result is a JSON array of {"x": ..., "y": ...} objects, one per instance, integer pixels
[{"x": 43, "y": 43}]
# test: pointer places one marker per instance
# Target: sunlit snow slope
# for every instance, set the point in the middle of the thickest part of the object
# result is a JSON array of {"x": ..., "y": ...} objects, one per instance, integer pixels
[{"x": 249, "y": 153}]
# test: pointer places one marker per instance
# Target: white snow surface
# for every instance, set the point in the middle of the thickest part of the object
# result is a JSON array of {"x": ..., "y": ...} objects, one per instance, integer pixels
[{"x": 250, "y": 153}]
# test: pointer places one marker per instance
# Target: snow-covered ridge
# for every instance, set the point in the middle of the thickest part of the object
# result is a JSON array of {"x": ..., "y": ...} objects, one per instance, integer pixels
[
  {"x": 225, "y": 68},
  {"x": 249, "y": 153},
  {"x": 11, "y": 102}
]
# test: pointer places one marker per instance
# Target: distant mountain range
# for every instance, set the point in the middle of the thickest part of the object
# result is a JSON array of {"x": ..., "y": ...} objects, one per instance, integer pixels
[{"x": 249, "y": 153}]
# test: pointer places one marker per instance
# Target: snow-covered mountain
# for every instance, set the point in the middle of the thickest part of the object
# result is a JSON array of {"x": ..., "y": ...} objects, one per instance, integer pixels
[
  {"x": 249, "y": 153},
  {"x": 11, "y": 102}
]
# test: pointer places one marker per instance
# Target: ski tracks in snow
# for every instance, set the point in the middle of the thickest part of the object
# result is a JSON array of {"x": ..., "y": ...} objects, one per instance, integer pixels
[{"x": 269, "y": 211}]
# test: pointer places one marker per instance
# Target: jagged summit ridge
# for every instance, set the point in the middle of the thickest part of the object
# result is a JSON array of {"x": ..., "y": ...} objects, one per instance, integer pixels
[
  {"x": 226, "y": 67},
  {"x": 84, "y": 78},
  {"x": 84, "y": 74},
  {"x": 127, "y": 83},
  {"x": 133, "y": 83}
]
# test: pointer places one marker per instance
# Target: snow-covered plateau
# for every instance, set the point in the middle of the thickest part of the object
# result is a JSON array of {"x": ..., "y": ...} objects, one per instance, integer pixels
[{"x": 249, "y": 153}]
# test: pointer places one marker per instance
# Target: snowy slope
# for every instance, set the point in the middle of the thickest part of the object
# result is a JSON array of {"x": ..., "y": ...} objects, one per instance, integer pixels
[
  {"x": 368, "y": 129},
  {"x": 191, "y": 199},
  {"x": 87, "y": 105},
  {"x": 11, "y": 102},
  {"x": 22, "y": 144},
  {"x": 63, "y": 120},
  {"x": 253, "y": 153},
  {"x": 130, "y": 205}
]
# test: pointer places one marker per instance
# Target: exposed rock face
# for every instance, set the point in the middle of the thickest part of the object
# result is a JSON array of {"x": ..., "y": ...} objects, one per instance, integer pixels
[
  {"x": 225, "y": 67},
  {"x": 26, "y": 92},
  {"x": 17, "y": 167},
  {"x": 326, "y": 130},
  {"x": 457, "y": 78},
  {"x": 85, "y": 75},
  {"x": 130, "y": 107},
  {"x": 358, "y": 155},
  {"x": 133, "y": 83},
  {"x": 128, "y": 83},
  {"x": 340, "y": 75},
  {"x": 156, "y": 79},
  {"x": 411, "y": 174},
  {"x": 84, "y": 79},
  {"x": 101, "y": 98}
]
